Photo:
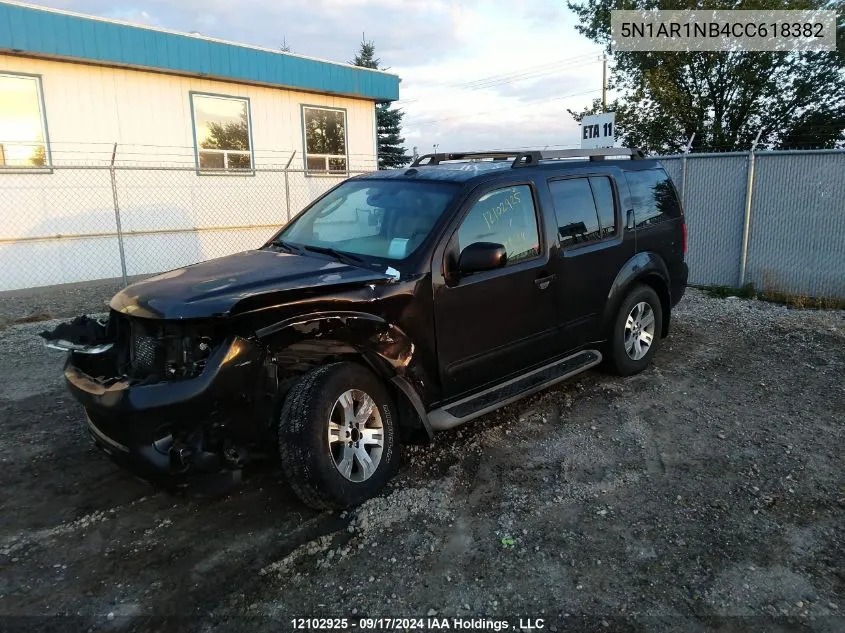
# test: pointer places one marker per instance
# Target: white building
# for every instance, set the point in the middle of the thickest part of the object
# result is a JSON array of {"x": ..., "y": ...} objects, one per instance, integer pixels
[{"x": 79, "y": 94}]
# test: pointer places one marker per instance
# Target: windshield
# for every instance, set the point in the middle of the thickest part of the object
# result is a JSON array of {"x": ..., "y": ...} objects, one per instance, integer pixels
[{"x": 378, "y": 218}]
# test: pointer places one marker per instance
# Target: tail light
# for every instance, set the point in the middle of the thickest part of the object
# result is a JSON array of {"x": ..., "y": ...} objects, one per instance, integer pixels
[{"x": 685, "y": 238}]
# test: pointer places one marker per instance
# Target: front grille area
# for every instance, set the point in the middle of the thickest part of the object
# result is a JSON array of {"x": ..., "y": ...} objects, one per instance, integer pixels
[
  {"x": 147, "y": 354},
  {"x": 161, "y": 350}
]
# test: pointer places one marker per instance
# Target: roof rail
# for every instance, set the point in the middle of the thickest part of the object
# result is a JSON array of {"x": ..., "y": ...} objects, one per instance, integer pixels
[
  {"x": 529, "y": 158},
  {"x": 436, "y": 159}
]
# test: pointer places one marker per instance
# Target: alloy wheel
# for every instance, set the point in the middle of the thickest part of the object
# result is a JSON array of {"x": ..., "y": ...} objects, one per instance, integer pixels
[
  {"x": 356, "y": 435},
  {"x": 639, "y": 330}
]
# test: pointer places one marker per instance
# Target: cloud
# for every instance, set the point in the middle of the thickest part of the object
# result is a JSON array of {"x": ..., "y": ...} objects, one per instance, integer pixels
[
  {"x": 405, "y": 32},
  {"x": 535, "y": 63}
]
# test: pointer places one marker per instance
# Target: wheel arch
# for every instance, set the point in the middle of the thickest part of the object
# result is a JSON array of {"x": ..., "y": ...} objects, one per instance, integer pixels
[
  {"x": 647, "y": 268},
  {"x": 301, "y": 343}
]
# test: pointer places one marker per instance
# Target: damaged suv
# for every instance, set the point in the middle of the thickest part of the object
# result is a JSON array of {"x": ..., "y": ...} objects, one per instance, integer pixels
[{"x": 398, "y": 304}]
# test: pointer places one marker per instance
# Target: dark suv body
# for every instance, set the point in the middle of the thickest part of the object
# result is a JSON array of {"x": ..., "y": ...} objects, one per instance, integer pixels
[{"x": 400, "y": 302}]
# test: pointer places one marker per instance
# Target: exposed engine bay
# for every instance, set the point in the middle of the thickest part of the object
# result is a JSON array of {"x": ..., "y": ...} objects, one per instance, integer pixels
[{"x": 127, "y": 372}]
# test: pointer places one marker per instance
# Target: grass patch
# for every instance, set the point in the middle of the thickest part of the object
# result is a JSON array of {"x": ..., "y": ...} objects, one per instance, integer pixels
[
  {"x": 723, "y": 292},
  {"x": 34, "y": 318},
  {"x": 775, "y": 296}
]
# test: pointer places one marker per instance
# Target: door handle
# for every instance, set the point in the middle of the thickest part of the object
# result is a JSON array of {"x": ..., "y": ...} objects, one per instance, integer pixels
[{"x": 543, "y": 282}]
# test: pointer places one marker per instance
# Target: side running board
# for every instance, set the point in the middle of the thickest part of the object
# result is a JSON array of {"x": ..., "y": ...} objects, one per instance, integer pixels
[{"x": 493, "y": 398}]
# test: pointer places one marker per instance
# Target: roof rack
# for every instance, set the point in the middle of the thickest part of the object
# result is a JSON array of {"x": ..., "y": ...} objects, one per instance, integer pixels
[
  {"x": 529, "y": 158},
  {"x": 436, "y": 159}
]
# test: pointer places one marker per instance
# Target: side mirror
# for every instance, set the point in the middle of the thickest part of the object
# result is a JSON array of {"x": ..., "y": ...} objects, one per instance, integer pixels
[{"x": 482, "y": 256}]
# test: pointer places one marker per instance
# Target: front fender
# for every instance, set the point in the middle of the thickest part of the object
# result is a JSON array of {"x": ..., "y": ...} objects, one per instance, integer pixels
[
  {"x": 317, "y": 336},
  {"x": 364, "y": 332},
  {"x": 646, "y": 267}
]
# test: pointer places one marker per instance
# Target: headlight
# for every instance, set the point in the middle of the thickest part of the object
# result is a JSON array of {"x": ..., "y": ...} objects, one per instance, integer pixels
[{"x": 168, "y": 351}]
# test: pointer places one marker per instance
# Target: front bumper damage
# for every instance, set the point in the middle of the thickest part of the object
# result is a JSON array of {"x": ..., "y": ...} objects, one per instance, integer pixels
[{"x": 161, "y": 428}]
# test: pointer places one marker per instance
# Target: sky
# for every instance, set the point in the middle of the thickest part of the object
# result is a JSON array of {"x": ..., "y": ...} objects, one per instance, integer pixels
[{"x": 476, "y": 74}]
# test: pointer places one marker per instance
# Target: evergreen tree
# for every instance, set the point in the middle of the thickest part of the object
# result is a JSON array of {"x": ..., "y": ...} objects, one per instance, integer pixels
[
  {"x": 366, "y": 57},
  {"x": 391, "y": 149}
]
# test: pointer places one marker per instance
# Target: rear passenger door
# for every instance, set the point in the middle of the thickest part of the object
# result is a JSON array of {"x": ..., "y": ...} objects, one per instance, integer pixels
[{"x": 592, "y": 249}]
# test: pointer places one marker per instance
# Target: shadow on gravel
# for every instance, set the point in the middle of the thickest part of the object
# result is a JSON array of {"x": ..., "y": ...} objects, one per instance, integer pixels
[
  {"x": 704, "y": 494},
  {"x": 87, "y": 538}
]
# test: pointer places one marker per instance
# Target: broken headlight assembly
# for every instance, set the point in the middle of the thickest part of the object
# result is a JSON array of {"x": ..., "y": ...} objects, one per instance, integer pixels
[
  {"x": 168, "y": 351},
  {"x": 141, "y": 349}
]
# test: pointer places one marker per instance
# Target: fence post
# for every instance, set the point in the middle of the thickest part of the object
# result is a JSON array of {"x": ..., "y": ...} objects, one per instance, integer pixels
[
  {"x": 287, "y": 185},
  {"x": 684, "y": 171},
  {"x": 746, "y": 228},
  {"x": 117, "y": 217}
]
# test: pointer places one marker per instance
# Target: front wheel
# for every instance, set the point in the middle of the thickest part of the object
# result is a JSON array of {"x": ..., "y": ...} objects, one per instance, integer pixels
[
  {"x": 636, "y": 331},
  {"x": 338, "y": 439}
]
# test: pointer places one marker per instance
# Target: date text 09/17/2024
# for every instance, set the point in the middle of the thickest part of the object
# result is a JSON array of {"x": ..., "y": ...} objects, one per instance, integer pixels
[{"x": 430, "y": 623}]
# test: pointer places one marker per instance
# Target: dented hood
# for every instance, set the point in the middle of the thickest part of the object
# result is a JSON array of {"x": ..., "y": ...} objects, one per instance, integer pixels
[{"x": 216, "y": 287}]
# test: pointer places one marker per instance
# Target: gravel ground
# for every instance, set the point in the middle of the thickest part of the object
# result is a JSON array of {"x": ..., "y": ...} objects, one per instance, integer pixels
[
  {"x": 706, "y": 493},
  {"x": 65, "y": 300}
]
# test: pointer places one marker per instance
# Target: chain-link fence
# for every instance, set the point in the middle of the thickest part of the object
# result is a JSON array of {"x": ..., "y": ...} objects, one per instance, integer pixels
[
  {"x": 772, "y": 218},
  {"x": 73, "y": 224}
]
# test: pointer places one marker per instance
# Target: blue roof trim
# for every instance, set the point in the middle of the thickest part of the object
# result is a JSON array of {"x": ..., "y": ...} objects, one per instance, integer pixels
[{"x": 34, "y": 31}]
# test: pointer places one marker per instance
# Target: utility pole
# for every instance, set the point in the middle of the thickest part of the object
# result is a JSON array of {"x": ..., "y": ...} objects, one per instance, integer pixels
[{"x": 604, "y": 82}]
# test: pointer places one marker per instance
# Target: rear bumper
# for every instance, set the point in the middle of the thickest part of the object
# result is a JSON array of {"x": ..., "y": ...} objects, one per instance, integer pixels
[{"x": 140, "y": 426}]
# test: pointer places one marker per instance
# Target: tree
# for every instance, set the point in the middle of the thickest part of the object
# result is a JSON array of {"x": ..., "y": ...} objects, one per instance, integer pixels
[
  {"x": 231, "y": 136},
  {"x": 39, "y": 156},
  {"x": 792, "y": 99},
  {"x": 366, "y": 57},
  {"x": 390, "y": 142}
]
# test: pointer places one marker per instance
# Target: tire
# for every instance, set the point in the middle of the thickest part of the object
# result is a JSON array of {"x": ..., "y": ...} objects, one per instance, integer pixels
[
  {"x": 621, "y": 359},
  {"x": 316, "y": 409}
]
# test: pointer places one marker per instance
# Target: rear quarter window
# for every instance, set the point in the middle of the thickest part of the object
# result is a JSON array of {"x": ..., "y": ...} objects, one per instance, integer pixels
[{"x": 652, "y": 196}]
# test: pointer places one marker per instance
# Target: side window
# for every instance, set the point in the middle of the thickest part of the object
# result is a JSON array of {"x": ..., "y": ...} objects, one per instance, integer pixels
[
  {"x": 504, "y": 216},
  {"x": 653, "y": 196},
  {"x": 603, "y": 195},
  {"x": 575, "y": 210}
]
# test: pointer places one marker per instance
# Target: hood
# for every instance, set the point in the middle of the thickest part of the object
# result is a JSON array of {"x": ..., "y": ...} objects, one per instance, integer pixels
[{"x": 215, "y": 287}]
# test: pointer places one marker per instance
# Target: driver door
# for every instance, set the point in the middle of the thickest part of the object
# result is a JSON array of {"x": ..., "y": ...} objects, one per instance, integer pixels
[{"x": 492, "y": 324}]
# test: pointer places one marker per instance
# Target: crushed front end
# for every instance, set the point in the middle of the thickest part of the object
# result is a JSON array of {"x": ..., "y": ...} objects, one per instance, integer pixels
[{"x": 165, "y": 398}]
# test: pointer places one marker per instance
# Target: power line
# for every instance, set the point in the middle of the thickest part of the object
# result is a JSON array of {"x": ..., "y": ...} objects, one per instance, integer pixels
[
  {"x": 506, "y": 78},
  {"x": 519, "y": 105},
  {"x": 527, "y": 72}
]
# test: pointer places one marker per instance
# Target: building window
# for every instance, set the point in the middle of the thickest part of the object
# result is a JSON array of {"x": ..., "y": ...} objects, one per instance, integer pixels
[
  {"x": 324, "y": 132},
  {"x": 23, "y": 129},
  {"x": 222, "y": 132}
]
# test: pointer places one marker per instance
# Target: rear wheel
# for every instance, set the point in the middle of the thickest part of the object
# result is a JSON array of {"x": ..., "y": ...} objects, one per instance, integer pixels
[
  {"x": 636, "y": 332},
  {"x": 338, "y": 439}
]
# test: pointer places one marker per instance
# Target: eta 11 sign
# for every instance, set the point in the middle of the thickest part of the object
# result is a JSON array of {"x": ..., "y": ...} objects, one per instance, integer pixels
[{"x": 597, "y": 130}]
